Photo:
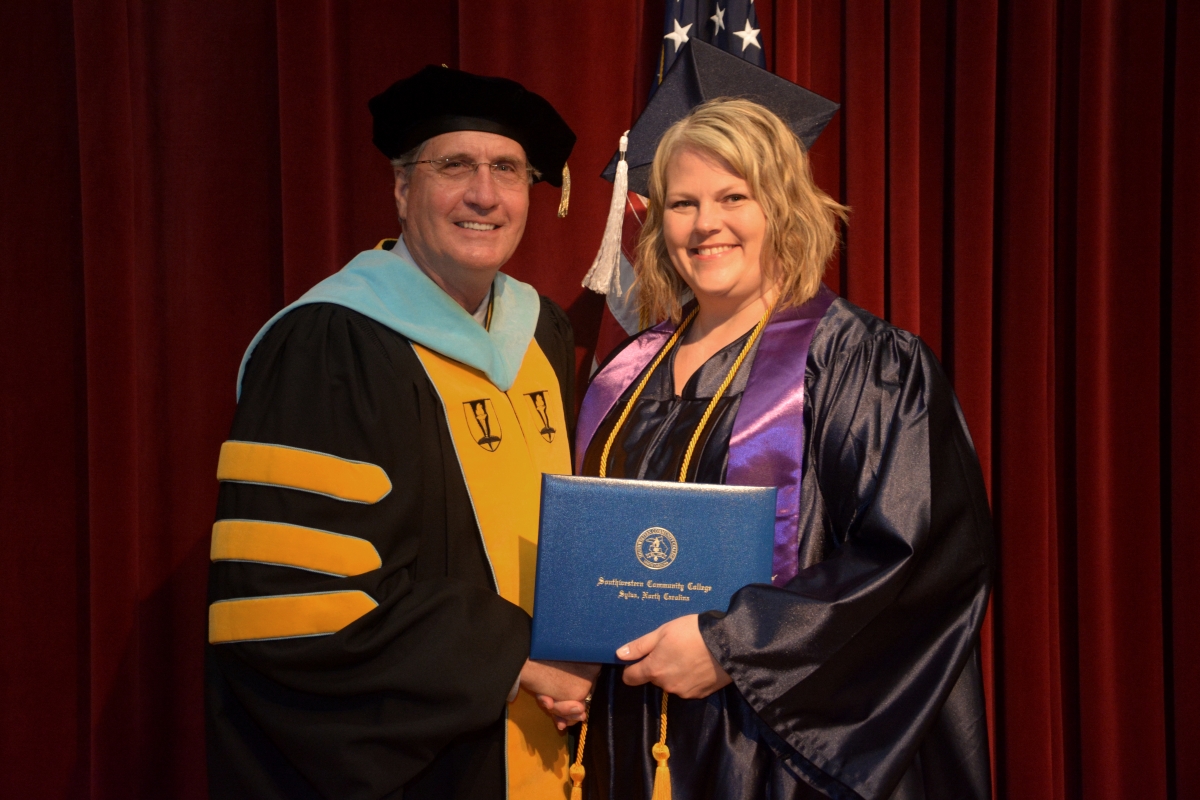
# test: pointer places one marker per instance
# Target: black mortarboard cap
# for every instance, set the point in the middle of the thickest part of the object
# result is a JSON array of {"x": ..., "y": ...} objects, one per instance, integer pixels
[
  {"x": 703, "y": 72},
  {"x": 440, "y": 100}
]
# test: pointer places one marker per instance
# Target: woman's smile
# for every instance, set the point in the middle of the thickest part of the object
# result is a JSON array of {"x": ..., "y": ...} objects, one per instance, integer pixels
[{"x": 711, "y": 251}]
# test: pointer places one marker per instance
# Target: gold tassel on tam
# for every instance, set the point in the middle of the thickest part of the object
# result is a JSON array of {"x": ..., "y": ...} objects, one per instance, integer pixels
[
  {"x": 662, "y": 775},
  {"x": 566, "y": 192}
]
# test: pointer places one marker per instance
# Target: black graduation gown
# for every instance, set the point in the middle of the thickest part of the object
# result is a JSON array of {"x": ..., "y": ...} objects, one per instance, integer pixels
[
  {"x": 407, "y": 701},
  {"x": 861, "y": 677}
]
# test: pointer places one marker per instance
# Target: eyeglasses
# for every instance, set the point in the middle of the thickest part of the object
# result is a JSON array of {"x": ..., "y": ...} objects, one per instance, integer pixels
[{"x": 505, "y": 173}]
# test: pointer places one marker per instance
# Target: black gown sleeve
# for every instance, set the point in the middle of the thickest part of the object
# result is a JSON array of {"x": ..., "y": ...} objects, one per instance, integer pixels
[
  {"x": 556, "y": 337},
  {"x": 851, "y": 662},
  {"x": 360, "y": 712}
]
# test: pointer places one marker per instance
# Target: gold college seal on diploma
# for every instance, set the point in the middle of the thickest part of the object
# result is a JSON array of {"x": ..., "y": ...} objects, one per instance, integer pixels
[{"x": 656, "y": 548}]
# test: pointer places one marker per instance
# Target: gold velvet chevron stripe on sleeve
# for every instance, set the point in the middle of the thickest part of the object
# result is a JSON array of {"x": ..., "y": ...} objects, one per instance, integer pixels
[
  {"x": 292, "y": 546},
  {"x": 285, "y": 616},
  {"x": 306, "y": 470}
]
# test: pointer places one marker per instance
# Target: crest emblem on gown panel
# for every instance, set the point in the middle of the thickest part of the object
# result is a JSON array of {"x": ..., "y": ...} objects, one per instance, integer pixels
[
  {"x": 483, "y": 423},
  {"x": 656, "y": 548},
  {"x": 543, "y": 413}
]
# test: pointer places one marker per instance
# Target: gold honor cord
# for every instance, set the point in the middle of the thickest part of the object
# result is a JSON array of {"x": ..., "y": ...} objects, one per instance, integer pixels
[{"x": 662, "y": 775}]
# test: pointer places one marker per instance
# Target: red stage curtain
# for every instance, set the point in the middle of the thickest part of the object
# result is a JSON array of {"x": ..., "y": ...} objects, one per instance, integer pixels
[{"x": 1023, "y": 196}]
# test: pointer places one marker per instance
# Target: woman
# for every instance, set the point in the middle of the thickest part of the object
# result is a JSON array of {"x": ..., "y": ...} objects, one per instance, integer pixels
[{"x": 856, "y": 672}]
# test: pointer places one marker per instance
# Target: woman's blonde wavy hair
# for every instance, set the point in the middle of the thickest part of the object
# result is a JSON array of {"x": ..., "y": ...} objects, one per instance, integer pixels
[{"x": 802, "y": 221}]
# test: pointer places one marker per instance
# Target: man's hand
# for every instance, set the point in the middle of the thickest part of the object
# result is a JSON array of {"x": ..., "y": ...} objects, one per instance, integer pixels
[
  {"x": 675, "y": 659},
  {"x": 562, "y": 688}
]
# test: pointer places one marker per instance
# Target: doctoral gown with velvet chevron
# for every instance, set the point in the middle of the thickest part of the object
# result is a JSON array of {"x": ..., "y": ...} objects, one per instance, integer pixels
[{"x": 408, "y": 703}]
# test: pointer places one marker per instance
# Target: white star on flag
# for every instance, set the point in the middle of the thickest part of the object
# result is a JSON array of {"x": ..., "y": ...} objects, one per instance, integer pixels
[
  {"x": 679, "y": 35},
  {"x": 718, "y": 20},
  {"x": 748, "y": 35}
]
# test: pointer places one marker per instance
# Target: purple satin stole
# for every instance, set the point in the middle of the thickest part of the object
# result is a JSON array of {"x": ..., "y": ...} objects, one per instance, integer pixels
[{"x": 766, "y": 447}]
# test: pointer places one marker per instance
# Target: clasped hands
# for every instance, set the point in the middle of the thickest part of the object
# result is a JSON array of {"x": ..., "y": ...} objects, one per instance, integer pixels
[{"x": 672, "y": 657}]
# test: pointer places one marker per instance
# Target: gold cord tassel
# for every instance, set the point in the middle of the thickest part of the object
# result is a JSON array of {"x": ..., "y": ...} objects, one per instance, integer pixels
[
  {"x": 660, "y": 751},
  {"x": 577, "y": 771},
  {"x": 566, "y": 192},
  {"x": 662, "y": 775}
]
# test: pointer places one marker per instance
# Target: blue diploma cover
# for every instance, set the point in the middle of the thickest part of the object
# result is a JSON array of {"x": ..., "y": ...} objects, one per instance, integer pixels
[{"x": 618, "y": 558}]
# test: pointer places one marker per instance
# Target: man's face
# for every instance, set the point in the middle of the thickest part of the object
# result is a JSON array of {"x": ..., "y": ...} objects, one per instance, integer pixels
[{"x": 462, "y": 230}]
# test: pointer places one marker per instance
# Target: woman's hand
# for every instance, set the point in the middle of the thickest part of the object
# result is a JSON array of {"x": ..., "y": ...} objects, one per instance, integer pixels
[{"x": 675, "y": 659}]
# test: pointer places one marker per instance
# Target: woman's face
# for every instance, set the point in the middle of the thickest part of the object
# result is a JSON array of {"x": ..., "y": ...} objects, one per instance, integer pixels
[{"x": 715, "y": 231}]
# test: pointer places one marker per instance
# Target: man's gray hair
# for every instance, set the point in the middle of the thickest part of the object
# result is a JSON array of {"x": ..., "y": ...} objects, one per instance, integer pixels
[{"x": 405, "y": 160}]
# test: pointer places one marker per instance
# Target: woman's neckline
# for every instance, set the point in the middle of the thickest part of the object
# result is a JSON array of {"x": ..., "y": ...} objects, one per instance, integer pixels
[{"x": 731, "y": 350}]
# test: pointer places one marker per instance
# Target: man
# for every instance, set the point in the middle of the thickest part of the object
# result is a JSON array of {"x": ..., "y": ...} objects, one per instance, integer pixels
[{"x": 376, "y": 527}]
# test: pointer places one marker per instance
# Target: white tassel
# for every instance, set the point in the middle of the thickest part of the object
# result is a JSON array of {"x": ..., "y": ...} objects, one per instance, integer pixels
[{"x": 605, "y": 275}]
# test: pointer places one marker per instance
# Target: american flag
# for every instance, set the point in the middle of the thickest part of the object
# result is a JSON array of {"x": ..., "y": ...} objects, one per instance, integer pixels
[{"x": 731, "y": 25}]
